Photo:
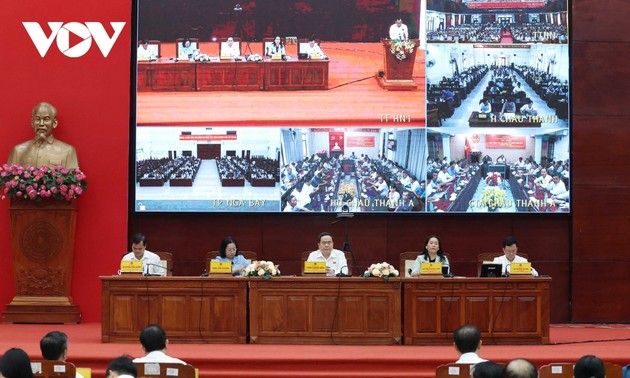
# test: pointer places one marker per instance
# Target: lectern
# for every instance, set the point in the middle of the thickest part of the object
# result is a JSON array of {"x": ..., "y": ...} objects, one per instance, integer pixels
[{"x": 399, "y": 58}]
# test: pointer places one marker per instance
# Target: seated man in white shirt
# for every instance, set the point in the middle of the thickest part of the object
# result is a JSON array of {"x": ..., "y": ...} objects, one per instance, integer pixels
[
  {"x": 230, "y": 49},
  {"x": 151, "y": 264},
  {"x": 312, "y": 49},
  {"x": 544, "y": 180},
  {"x": 556, "y": 187},
  {"x": 144, "y": 52},
  {"x": 335, "y": 259},
  {"x": 154, "y": 342},
  {"x": 467, "y": 341},
  {"x": 510, "y": 247},
  {"x": 398, "y": 30}
]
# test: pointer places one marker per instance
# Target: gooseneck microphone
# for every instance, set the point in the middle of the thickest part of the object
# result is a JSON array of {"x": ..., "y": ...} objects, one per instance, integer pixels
[{"x": 147, "y": 274}]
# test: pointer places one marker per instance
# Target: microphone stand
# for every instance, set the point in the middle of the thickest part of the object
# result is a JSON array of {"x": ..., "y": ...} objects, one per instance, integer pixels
[{"x": 344, "y": 215}]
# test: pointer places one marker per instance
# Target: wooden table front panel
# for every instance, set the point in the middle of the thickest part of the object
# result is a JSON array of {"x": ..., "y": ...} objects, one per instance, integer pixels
[
  {"x": 506, "y": 310},
  {"x": 191, "y": 309},
  {"x": 321, "y": 310},
  {"x": 225, "y": 76},
  {"x": 172, "y": 76},
  {"x": 296, "y": 75}
]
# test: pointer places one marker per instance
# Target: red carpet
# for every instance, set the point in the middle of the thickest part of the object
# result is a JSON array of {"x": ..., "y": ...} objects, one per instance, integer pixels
[
  {"x": 506, "y": 37},
  {"x": 568, "y": 343},
  {"x": 353, "y": 98}
]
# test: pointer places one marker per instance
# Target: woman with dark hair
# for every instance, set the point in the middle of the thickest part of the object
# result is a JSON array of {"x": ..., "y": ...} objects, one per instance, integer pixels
[
  {"x": 276, "y": 47},
  {"x": 487, "y": 369},
  {"x": 228, "y": 252},
  {"x": 432, "y": 253},
  {"x": 15, "y": 364}
]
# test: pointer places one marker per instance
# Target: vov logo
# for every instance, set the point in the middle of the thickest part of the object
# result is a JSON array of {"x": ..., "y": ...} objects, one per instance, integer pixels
[{"x": 85, "y": 33}]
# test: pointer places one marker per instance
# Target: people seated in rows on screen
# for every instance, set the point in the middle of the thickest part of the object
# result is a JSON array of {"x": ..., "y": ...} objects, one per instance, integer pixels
[
  {"x": 589, "y": 366},
  {"x": 121, "y": 367},
  {"x": 292, "y": 205},
  {"x": 144, "y": 53},
  {"x": 509, "y": 108},
  {"x": 228, "y": 252},
  {"x": 443, "y": 176},
  {"x": 377, "y": 189},
  {"x": 54, "y": 347},
  {"x": 467, "y": 342},
  {"x": 335, "y": 259},
  {"x": 230, "y": 49},
  {"x": 487, "y": 369},
  {"x": 187, "y": 49},
  {"x": 501, "y": 159},
  {"x": 276, "y": 47},
  {"x": 510, "y": 248},
  {"x": 561, "y": 198},
  {"x": 393, "y": 198},
  {"x": 556, "y": 186},
  {"x": 406, "y": 203},
  {"x": 544, "y": 180},
  {"x": 520, "y": 368},
  {"x": 15, "y": 363},
  {"x": 312, "y": 49},
  {"x": 154, "y": 343},
  {"x": 303, "y": 192},
  {"x": 484, "y": 106},
  {"x": 150, "y": 261},
  {"x": 398, "y": 30},
  {"x": 528, "y": 109},
  {"x": 432, "y": 253},
  {"x": 517, "y": 89}
]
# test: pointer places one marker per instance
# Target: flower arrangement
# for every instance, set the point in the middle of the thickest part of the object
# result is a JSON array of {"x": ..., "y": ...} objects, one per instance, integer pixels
[
  {"x": 37, "y": 184},
  {"x": 493, "y": 197},
  {"x": 264, "y": 269},
  {"x": 383, "y": 270},
  {"x": 493, "y": 179},
  {"x": 400, "y": 48}
]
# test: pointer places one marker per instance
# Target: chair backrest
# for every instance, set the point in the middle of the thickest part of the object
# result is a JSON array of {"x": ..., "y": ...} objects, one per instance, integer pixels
[
  {"x": 53, "y": 369},
  {"x": 613, "y": 370},
  {"x": 565, "y": 369},
  {"x": 166, "y": 260},
  {"x": 483, "y": 257},
  {"x": 452, "y": 370},
  {"x": 164, "y": 370},
  {"x": 304, "y": 257},
  {"x": 408, "y": 258}
]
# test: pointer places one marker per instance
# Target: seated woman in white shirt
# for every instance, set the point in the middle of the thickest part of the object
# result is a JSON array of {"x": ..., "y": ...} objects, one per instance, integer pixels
[{"x": 277, "y": 47}]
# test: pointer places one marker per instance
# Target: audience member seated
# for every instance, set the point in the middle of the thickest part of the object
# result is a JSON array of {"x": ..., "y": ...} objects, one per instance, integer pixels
[
  {"x": 589, "y": 366},
  {"x": 54, "y": 347},
  {"x": 121, "y": 367},
  {"x": 467, "y": 340},
  {"x": 520, "y": 368},
  {"x": 154, "y": 343}
]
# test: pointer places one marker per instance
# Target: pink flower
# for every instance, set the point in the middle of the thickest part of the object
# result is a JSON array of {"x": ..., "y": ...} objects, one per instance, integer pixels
[
  {"x": 18, "y": 194},
  {"x": 64, "y": 171},
  {"x": 54, "y": 190}
]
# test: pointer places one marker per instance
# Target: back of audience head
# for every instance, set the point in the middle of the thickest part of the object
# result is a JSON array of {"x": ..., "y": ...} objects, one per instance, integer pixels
[
  {"x": 15, "y": 364},
  {"x": 467, "y": 338},
  {"x": 153, "y": 338},
  {"x": 122, "y": 365},
  {"x": 487, "y": 369},
  {"x": 520, "y": 368},
  {"x": 54, "y": 346},
  {"x": 589, "y": 366}
]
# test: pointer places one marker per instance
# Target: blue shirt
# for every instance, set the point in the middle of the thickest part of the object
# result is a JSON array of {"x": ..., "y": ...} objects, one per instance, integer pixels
[{"x": 237, "y": 261}]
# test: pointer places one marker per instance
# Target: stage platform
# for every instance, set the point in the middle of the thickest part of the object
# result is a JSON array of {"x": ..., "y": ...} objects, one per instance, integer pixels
[{"x": 610, "y": 342}]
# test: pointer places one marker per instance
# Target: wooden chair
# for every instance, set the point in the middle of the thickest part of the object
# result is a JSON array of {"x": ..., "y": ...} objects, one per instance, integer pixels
[
  {"x": 488, "y": 257},
  {"x": 53, "y": 369},
  {"x": 164, "y": 370},
  {"x": 433, "y": 119},
  {"x": 166, "y": 260},
  {"x": 565, "y": 369},
  {"x": 452, "y": 370},
  {"x": 408, "y": 258},
  {"x": 304, "y": 257}
]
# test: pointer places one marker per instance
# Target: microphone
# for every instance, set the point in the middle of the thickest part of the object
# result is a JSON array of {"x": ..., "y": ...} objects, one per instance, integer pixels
[
  {"x": 205, "y": 273},
  {"x": 147, "y": 274},
  {"x": 409, "y": 272},
  {"x": 341, "y": 273}
]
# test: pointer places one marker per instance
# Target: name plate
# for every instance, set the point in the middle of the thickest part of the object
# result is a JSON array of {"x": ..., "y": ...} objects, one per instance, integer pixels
[
  {"x": 314, "y": 267},
  {"x": 131, "y": 266},
  {"x": 431, "y": 268},
  {"x": 316, "y": 57},
  {"x": 276, "y": 56},
  {"x": 220, "y": 267},
  {"x": 183, "y": 57},
  {"x": 521, "y": 268}
]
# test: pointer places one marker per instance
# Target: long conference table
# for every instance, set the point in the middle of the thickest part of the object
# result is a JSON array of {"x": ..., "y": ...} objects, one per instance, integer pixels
[
  {"x": 321, "y": 310},
  {"x": 228, "y": 75}
]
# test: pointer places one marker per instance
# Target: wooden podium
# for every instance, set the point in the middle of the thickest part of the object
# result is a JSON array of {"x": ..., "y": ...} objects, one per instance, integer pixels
[
  {"x": 398, "y": 72},
  {"x": 42, "y": 239}
]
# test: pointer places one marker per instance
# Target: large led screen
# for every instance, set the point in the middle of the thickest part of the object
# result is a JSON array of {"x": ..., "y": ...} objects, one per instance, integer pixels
[{"x": 362, "y": 106}]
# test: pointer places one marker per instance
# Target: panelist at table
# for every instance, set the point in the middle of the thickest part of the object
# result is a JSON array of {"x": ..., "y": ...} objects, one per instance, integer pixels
[
  {"x": 230, "y": 49},
  {"x": 312, "y": 49},
  {"x": 335, "y": 259},
  {"x": 228, "y": 252},
  {"x": 510, "y": 247},
  {"x": 432, "y": 253},
  {"x": 275, "y": 48},
  {"x": 150, "y": 261}
]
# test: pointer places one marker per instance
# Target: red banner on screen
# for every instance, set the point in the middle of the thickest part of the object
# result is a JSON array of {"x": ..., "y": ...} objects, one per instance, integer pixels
[
  {"x": 335, "y": 141},
  {"x": 504, "y": 5},
  {"x": 360, "y": 141},
  {"x": 208, "y": 137},
  {"x": 505, "y": 141}
]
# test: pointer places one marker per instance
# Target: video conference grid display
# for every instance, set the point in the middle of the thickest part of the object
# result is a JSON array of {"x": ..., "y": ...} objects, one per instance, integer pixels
[{"x": 485, "y": 131}]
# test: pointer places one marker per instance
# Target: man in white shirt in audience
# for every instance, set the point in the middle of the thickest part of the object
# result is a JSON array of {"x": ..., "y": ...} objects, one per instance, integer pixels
[
  {"x": 398, "y": 30},
  {"x": 151, "y": 264},
  {"x": 556, "y": 187},
  {"x": 510, "y": 248},
  {"x": 54, "y": 347},
  {"x": 467, "y": 342},
  {"x": 335, "y": 259},
  {"x": 154, "y": 342},
  {"x": 544, "y": 180}
]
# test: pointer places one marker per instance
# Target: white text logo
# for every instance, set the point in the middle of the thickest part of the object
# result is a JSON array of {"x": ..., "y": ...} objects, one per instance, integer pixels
[{"x": 85, "y": 33}]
